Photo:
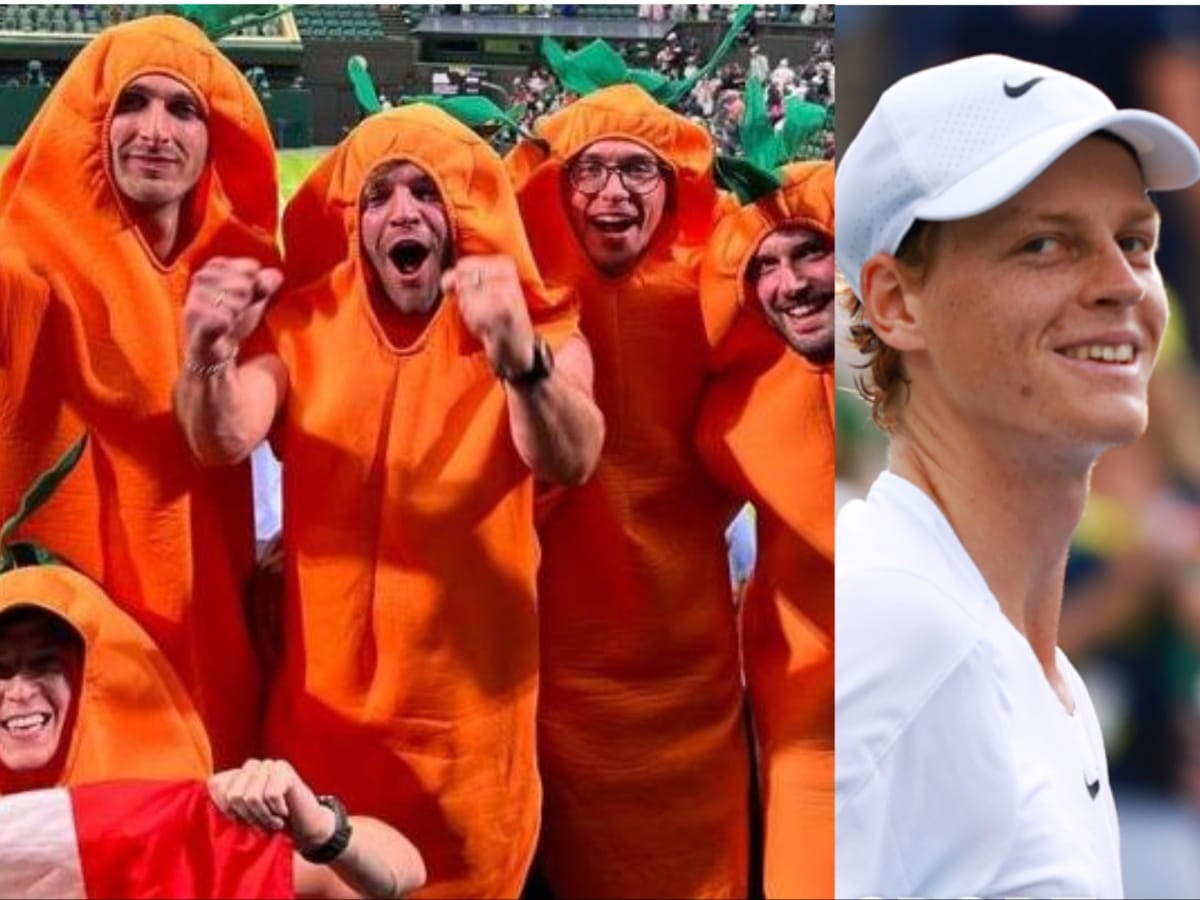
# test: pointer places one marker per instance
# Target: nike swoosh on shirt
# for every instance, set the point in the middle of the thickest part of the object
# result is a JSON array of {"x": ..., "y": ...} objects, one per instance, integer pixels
[{"x": 1015, "y": 91}]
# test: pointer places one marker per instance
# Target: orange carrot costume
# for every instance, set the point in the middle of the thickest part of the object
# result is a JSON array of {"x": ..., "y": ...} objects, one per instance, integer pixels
[
  {"x": 642, "y": 747},
  {"x": 409, "y": 675},
  {"x": 767, "y": 431},
  {"x": 132, "y": 717},
  {"x": 90, "y": 337}
]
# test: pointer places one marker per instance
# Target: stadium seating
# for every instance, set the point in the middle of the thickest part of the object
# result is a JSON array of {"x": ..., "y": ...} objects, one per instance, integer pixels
[
  {"x": 87, "y": 19},
  {"x": 338, "y": 23}
]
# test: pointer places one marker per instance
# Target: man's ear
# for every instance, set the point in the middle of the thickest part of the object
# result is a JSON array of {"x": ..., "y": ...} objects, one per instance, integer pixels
[{"x": 888, "y": 294}]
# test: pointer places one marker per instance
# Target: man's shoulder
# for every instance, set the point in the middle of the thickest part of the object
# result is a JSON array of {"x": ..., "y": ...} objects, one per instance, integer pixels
[
  {"x": 914, "y": 629},
  {"x": 897, "y": 529}
]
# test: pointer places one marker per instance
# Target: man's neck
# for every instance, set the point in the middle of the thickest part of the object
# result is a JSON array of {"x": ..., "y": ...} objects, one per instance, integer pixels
[
  {"x": 1014, "y": 508},
  {"x": 160, "y": 228}
]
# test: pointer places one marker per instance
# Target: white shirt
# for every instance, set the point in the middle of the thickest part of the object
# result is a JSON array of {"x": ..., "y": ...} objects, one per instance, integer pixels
[{"x": 959, "y": 771}]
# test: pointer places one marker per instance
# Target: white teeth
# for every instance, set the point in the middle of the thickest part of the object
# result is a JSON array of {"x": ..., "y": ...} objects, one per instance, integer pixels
[
  {"x": 1122, "y": 353},
  {"x": 26, "y": 722}
]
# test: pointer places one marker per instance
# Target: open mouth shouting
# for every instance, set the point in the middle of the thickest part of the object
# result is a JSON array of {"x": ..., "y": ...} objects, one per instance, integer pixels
[
  {"x": 409, "y": 257},
  {"x": 614, "y": 224}
]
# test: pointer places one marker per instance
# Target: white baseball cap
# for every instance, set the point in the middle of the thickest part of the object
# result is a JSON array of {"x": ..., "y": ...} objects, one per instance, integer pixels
[{"x": 959, "y": 139}]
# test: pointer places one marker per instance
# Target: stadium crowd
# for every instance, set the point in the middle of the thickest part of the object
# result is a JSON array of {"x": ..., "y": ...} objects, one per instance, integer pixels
[{"x": 715, "y": 101}]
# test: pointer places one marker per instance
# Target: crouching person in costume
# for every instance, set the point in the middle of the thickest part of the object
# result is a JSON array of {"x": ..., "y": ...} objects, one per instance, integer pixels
[
  {"x": 416, "y": 377},
  {"x": 103, "y": 761}
]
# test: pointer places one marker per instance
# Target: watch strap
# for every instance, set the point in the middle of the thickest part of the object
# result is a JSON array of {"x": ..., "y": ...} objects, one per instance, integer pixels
[
  {"x": 337, "y": 842},
  {"x": 539, "y": 370}
]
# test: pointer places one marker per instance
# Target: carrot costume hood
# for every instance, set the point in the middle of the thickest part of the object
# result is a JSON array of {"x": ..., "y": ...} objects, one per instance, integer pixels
[
  {"x": 321, "y": 225},
  {"x": 804, "y": 199},
  {"x": 61, "y": 172},
  {"x": 90, "y": 332},
  {"x": 627, "y": 112},
  {"x": 132, "y": 718}
]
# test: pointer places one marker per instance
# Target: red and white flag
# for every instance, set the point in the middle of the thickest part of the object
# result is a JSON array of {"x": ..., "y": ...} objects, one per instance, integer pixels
[{"x": 135, "y": 839}]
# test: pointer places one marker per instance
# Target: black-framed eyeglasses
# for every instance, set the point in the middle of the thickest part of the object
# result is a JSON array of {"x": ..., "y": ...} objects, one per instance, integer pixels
[{"x": 638, "y": 176}]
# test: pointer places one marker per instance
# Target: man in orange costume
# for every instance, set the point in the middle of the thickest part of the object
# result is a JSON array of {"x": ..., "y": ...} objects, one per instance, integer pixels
[
  {"x": 642, "y": 745},
  {"x": 150, "y": 155},
  {"x": 766, "y": 430},
  {"x": 416, "y": 380}
]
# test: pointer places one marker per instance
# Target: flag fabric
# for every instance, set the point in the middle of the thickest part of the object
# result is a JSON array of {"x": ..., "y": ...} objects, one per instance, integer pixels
[{"x": 135, "y": 839}]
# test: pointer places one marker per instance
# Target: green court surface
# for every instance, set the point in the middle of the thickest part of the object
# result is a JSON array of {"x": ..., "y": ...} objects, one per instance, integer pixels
[{"x": 294, "y": 165}]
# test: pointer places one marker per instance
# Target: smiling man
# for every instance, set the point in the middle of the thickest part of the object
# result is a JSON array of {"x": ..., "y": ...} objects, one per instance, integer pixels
[
  {"x": 996, "y": 233},
  {"x": 414, "y": 384},
  {"x": 41, "y": 658},
  {"x": 159, "y": 146},
  {"x": 792, "y": 276},
  {"x": 150, "y": 155},
  {"x": 766, "y": 431}
]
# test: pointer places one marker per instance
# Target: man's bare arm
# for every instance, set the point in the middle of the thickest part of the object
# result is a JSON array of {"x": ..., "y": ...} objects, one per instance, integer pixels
[
  {"x": 378, "y": 860},
  {"x": 556, "y": 426},
  {"x": 226, "y": 409}
]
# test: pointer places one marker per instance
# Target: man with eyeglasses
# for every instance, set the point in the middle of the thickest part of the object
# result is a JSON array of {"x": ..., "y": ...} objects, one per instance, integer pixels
[
  {"x": 618, "y": 197},
  {"x": 641, "y": 744}
]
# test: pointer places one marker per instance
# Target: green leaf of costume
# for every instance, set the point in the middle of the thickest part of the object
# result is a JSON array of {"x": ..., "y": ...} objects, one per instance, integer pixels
[
  {"x": 802, "y": 126},
  {"x": 744, "y": 179},
  {"x": 760, "y": 144},
  {"x": 39, "y": 493},
  {"x": 364, "y": 87},
  {"x": 598, "y": 65},
  {"x": 218, "y": 20}
]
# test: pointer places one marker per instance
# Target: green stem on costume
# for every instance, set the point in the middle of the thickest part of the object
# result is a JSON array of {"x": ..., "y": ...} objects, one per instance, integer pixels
[{"x": 26, "y": 552}]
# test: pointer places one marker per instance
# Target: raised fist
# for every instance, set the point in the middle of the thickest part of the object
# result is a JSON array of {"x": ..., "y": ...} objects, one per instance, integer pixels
[
  {"x": 492, "y": 306},
  {"x": 225, "y": 302}
]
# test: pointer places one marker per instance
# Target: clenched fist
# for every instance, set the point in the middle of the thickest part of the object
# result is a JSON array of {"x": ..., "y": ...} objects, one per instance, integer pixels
[
  {"x": 492, "y": 306},
  {"x": 269, "y": 794},
  {"x": 225, "y": 302}
]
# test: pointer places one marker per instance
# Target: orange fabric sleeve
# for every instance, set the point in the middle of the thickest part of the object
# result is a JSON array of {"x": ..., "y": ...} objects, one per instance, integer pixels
[{"x": 170, "y": 543}]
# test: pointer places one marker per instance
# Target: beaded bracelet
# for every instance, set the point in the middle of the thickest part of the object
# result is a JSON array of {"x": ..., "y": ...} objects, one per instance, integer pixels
[{"x": 208, "y": 371}]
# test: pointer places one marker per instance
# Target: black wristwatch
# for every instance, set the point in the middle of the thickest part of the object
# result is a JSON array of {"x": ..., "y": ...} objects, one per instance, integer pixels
[
  {"x": 338, "y": 841},
  {"x": 539, "y": 370}
]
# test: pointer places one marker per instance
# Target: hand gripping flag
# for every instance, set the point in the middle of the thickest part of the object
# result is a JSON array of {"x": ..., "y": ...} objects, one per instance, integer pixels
[{"x": 135, "y": 839}]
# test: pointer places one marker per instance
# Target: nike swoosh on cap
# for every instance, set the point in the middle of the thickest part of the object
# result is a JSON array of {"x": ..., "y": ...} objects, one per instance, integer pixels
[{"x": 1015, "y": 91}]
